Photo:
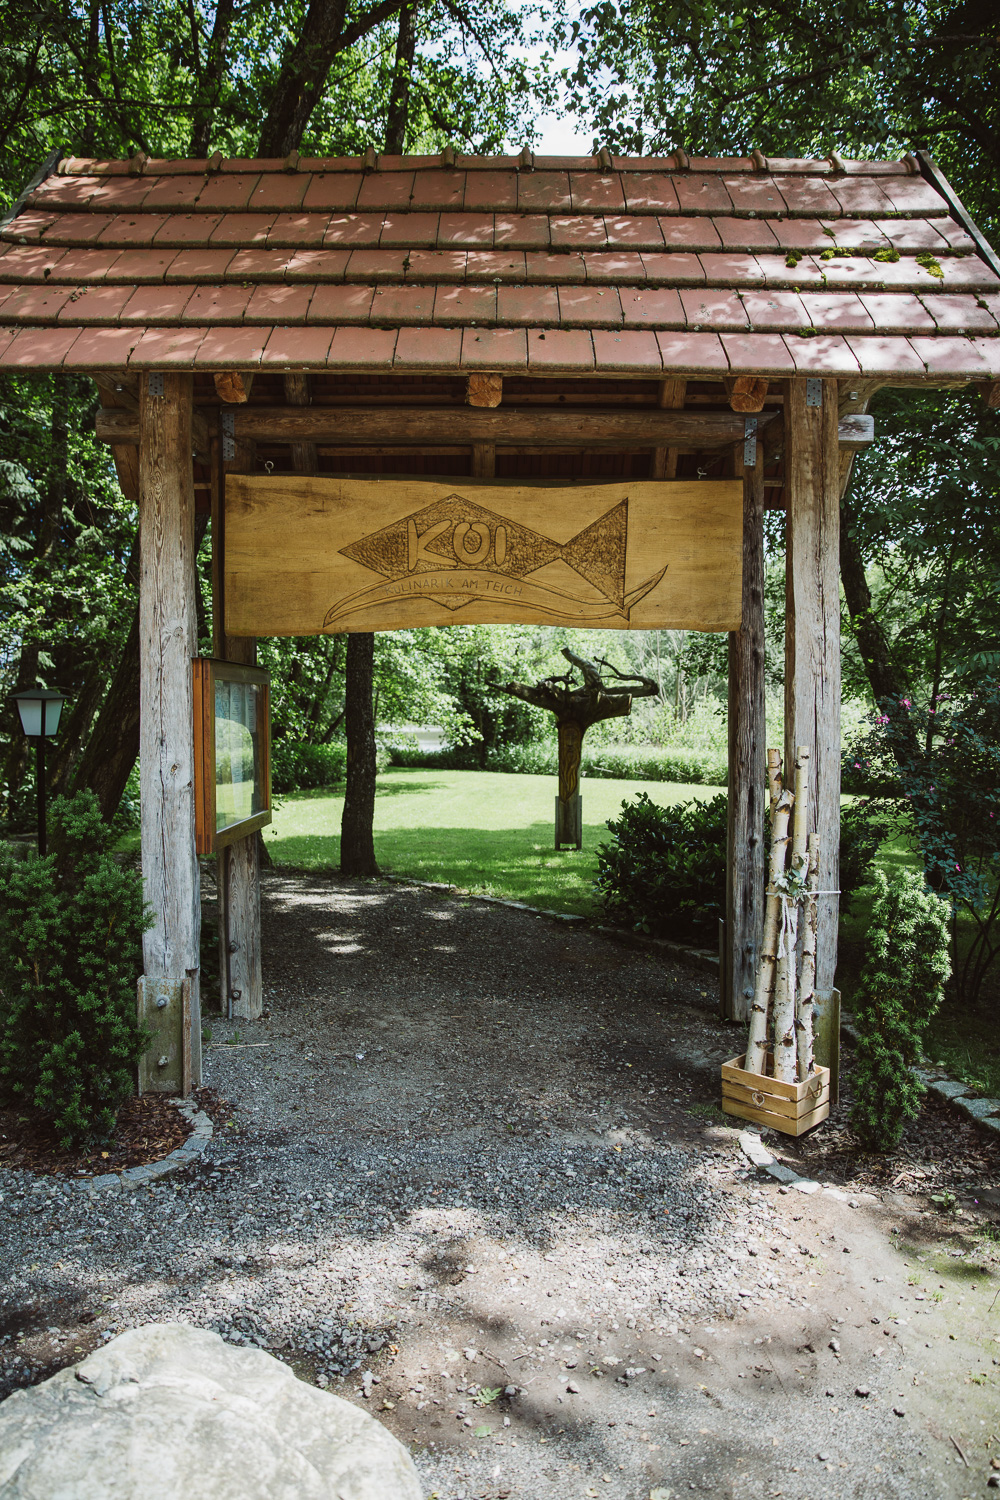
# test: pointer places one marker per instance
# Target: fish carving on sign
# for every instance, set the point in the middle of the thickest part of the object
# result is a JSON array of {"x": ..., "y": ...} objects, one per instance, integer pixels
[{"x": 456, "y": 552}]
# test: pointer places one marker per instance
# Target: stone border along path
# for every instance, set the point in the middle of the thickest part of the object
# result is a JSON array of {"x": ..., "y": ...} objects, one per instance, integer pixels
[{"x": 183, "y": 1155}]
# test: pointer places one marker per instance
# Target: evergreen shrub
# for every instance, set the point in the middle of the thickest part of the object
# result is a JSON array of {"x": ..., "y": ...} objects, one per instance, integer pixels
[
  {"x": 902, "y": 983},
  {"x": 70, "y": 957},
  {"x": 663, "y": 871}
]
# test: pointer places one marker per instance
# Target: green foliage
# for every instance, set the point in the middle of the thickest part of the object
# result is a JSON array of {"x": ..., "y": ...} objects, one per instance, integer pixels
[
  {"x": 663, "y": 869},
  {"x": 863, "y": 831},
  {"x": 901, "y": 987},
  {"x": 598, "y": 762},
  {"x": 301, "y": 767},
  {"x": 70, "y": 955}
]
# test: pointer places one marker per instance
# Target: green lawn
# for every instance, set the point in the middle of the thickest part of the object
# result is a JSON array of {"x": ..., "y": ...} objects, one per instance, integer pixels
[{"x": 484, "y": 831}]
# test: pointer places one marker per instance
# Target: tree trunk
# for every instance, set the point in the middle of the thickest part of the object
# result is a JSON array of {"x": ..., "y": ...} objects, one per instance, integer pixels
[
  {"x": 302, "y": 78},
  {"x": 357, "y": 844},
  {"x": 399, "y": 99}
]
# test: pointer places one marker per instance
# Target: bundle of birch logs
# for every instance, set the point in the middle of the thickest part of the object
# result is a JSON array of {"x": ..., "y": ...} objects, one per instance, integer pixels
[{"x": 781, "y": 1021}]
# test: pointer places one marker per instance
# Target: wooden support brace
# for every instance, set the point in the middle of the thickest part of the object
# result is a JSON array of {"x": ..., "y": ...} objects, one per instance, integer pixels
[
  {"x": 812, "y": 652},
  {"x": 747, "y": 393},
  {"x": 168, "y": 641},
  {"x": 233, "y": 387},
  {"x": 297, "y": 393},
  {"x": 670, "y": 397},
  {"x": 484, "y": 390},
  {"x": 990, "y": 392}
]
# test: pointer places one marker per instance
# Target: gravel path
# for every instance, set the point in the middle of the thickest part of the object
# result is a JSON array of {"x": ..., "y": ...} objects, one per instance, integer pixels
[{"x": 477, "y": 1180}]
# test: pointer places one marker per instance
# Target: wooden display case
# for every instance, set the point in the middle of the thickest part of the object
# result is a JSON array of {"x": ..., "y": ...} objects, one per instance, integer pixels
[{"x": 232, "y": 742}]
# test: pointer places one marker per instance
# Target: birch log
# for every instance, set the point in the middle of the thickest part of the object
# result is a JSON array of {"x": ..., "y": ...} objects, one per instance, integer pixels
[
  {"x": 807, "y": 979},
  {"x": 786, "y": 986},
  {"x": 756, "y": 1057}
]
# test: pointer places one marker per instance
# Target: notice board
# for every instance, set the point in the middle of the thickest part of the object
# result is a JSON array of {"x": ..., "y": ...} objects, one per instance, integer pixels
[{"x": 309, "y": 555}]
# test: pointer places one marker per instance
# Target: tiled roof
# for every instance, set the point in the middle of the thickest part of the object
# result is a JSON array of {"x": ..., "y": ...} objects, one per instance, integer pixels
[{"x": 445, "y": 264}]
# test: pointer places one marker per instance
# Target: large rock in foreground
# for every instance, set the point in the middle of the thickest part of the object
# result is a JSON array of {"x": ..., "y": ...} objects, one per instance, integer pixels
[{"x": 165, "y": 1412}]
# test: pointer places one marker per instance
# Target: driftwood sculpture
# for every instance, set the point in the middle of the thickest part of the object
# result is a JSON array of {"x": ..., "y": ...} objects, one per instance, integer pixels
[{"x": 577, "y": 706}]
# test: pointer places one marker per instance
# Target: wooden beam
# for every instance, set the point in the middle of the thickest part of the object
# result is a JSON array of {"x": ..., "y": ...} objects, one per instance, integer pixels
[
  {"x": 812, "y": 653},
  {"x": 990, "y": 392},
  {"x": 670, "y": 397},
  {"x": 484, "y": 461},
  {"x": 747, "y": 393},
  {"x": 746, "y": 851},
  {"x": 233, "y": 387},
  {"x": 168, "y": 641},
  {"x": 484, "y": 390},
  {"x": 297, "y": 393},
  {"x": 408, "y": 426}
]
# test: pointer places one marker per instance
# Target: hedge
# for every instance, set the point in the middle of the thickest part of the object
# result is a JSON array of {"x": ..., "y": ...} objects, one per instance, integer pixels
[{"x": 625, "y": 763}]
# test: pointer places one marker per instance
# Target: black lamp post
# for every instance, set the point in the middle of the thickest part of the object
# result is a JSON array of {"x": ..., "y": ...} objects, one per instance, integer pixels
[{"x": 39, "y": 709}]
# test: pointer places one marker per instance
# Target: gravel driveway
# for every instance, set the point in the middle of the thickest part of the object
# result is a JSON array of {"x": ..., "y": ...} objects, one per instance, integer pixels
[{"x": 476, "y": 1179}]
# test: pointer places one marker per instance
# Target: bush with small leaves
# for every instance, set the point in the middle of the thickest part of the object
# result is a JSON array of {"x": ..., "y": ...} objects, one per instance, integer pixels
[
  {"x": 70, "y": 955},
  {"x": 664, "y": 868},
  {"x": 902, "y": 982}
]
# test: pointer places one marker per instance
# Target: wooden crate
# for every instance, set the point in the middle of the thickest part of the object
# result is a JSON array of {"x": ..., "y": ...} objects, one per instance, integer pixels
[{"x": 792, "y": 1108}]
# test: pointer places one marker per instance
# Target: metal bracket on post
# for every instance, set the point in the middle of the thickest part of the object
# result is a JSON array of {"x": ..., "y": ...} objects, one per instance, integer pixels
[
  {"x": 814, "y": 392},
  {"x": 750, "y": 442},
  {"x": 228, "y": 436},
  {"x": 155, "y": 385}
]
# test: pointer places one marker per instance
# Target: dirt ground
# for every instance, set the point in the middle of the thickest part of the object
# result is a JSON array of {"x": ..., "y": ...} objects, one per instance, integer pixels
[{"x": 477, "y": 1180}]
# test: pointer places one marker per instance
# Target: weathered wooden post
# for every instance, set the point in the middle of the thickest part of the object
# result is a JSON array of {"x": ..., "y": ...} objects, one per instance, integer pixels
[
  {"x": 812, "y": 657},
  {"x": 168, "y": 641}
]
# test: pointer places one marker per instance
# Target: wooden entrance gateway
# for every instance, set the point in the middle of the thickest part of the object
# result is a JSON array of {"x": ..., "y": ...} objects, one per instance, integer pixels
[{"x": 416, "y": 329}]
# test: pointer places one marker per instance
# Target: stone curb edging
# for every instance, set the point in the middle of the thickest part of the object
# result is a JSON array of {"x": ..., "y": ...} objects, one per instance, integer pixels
[
  {"x": 754, "y": 1149},
  {"x": 189, "y": 1150},
  {"x": 696, "y": 958}
]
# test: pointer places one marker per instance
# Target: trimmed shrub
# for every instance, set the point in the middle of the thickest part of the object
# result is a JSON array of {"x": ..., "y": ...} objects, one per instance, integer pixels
[
  {"x": 902, "y": 982},
  {"x": 663, "y": 871},
  {"x": 298, "y": 767},
  {"x": 600, "y": 762},
  {"x": 70, "y": 956}
]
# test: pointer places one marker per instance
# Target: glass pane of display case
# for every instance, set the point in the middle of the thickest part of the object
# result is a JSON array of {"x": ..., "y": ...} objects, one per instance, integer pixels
[{"x": 232, "y": 745}]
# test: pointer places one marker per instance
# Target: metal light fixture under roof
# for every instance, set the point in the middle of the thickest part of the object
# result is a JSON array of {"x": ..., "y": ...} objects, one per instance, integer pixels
[{"x": 40, "y": 710}]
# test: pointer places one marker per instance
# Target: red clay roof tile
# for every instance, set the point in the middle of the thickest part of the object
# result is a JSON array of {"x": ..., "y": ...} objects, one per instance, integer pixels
[
  {"x": 943, "y": 355},
  {"x": 501, "y": 349},
  {"x": 649, "y": 193},
  {"x": 296, "y": 348},
  {"x": 227, "y": 191},
  {"x": 808, "y": 198},
  {"x": 657, "y": 306},
  {"x": 124, "y": 230},
  {"x": 631, "y": 350},
  {"x": 172, "y": 193},
  {"x": 837, "y": 312},
  {"x": 316, "y": 265},
  {"x": 913, "y": 195},
  {"x": 551, "y": 269},
  {"x": 417, "y": 230},
  {"x": 673, "y": 269},
  {"x": 901, "y": 312},
  {"x": 498, "y": 266},
  {"x": 593, "y": 193},
  {"x": 120, "y": 194},
  {"x": 385, "y": 190},
  {"x": 167, "y": 349},
  {"x": 950, "y": 312},
  {"x": 39, "y": 348},
  {"x": 279, "y": 304},
  {"x": 702, "y": 195},
  {"x": 634, "y": 231},
  {"x": 490, "y": 190},
  {"x": 354, "y": 229},
  {"x": 36, "y": 304},
  {"x": 274, "y": 191},
  {"x": 96, "y": 304},
  {"x": 827, "y": 354},
  {"x": 67, "y": 229},
  {"x": 731, "y": 270},
  {"x": 465, "y": 304},
  {"x": 438, "y": 189},
  {"x": 710, "y": 308},
  {"x": 744, "y": 234},
  {"x": 186, "y": 265},
  {"x": 84, "y": 265},
  {"x": 774, "y": 309},
  {"x": 291, "y": 230},
  {"x": 885, "y": 355},
  {"x": 444, "y": 265},
  {"x": 521, "y": 231},
  {"x": 757, "y": 354},
  {"x": 989, "y": 351},
  {"x": 547, "y": 192},
  {"x": 427, "y": 348},
  {"x": 610, "y": 267},
  {"x": 217, "y": 304},
  {"x": 104, "y": 348},
  {"x": 395, "y": 305},
  {"x": 156, "y": 304},
  {"x": 184, "y": 230},
  {"x": 378, "y": 265},
  {"x": 577, "y": 233},
  {"x": 690, "y": 234},
  {"x": 754, "y": 193},
  {"x": 589, "y": 307},
  {"x": 28, "y": 262},
  {"x": 332, "y": 190},
  {"x": 346, "y": 304},
  {"x": 568, "y": 349},
  {"x": 467, "y": 229},
  {"x": 32, "y": 224},
  {"x": 528, "y": 306},
  {"x": 692, "y": 353},
  {"x": 241, "y": 231},
  {"x": 233, "y": 348}
]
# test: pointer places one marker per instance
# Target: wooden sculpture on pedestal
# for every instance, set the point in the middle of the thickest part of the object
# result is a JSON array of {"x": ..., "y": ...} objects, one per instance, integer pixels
[{"x": 576, "y": 707}]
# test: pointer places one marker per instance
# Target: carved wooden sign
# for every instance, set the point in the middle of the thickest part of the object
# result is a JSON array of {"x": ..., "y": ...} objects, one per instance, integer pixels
[{"x": 304, "y": 556}]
